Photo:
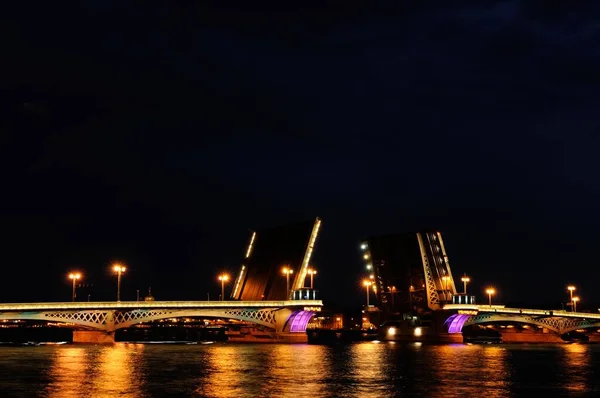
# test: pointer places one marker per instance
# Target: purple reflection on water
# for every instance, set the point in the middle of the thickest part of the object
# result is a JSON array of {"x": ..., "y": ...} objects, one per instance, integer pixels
[
  {"x": 299, "y": 321},
  {"x": 455, "y": 322}
]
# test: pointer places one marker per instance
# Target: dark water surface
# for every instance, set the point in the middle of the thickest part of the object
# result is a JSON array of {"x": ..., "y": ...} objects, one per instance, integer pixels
[{"x": 357, "y": 370}]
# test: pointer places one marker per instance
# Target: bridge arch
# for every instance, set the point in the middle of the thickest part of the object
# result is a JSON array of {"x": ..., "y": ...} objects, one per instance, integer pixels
[
  {"x": 263, "y": 317},
  {"x": 595, "y": 324},
  {"x": 90, "y": 319},
  {"x": 550, "y": 323},
  {"x": 278, "y": 319},
  {"x": 559, "y": 325},
  {"x": 455, "y": 323}
]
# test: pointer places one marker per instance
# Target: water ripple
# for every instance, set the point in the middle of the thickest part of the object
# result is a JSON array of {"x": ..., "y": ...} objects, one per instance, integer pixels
[{"x": 270, "y": 370}]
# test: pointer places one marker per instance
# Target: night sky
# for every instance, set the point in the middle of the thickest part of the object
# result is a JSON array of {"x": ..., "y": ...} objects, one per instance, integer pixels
[{"x": 159, "y": 135}]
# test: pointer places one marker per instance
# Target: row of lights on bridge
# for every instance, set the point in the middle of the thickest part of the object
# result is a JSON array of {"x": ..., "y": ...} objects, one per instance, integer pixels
[
  {"x": 465, "y": 279},
  {"x": 573, "y": 302},
  {"x": 285, "y": 271},
  {"x": 117, "y": 268},
  {"x": 223, "y": 278},
  {"x": 367, "y": 283},
  {"x": 490, "y": 291}
]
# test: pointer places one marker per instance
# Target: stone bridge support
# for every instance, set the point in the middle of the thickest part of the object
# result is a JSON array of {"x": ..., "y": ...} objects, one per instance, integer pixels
[{"x": 93, "y": 337}]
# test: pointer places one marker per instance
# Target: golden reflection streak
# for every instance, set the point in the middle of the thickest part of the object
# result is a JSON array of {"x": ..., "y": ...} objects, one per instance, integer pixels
[
  {"x": 117, "y": 372},
  {"x": 230, "y": 371},
  {"x": 68, "y": 373},
  {"x": 495, "y": 370},
  {"x": 288, "y": 370},
  {"x": 367, "y": 367},
  {"x": 577, "y": 366},
  {"x": 302, "y": 366},
  {"x": 462, "y": 369}
]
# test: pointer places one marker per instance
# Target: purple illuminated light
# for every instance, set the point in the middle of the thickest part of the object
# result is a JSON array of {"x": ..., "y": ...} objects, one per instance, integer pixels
[
  {"x": 299, "y": 321},
  {"x": 455, "y": 322}
]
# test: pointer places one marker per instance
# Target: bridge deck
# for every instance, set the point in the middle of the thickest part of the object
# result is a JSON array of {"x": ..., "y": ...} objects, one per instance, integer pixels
[
  {"x": 113, "y": 305},
  {"x": 525, "y": 311}
]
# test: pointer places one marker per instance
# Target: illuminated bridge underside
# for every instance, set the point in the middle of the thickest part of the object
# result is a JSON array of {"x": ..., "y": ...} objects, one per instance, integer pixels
[
  {"x": 298, "y": 321},
  {"x": 500, "y": 309},
  {"x": 280, "y": 316},
  {"x": 555, "y": 324},
  {"x": 559, "y": 322}
]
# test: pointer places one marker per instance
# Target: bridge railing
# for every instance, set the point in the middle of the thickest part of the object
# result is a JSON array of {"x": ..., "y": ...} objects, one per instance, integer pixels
[
  {"x": 524, "y": 311},
  {"x": 114, "y": 305}
]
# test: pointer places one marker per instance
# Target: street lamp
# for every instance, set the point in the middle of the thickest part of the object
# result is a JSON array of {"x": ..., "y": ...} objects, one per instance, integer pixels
[
  {"x": 119, "y": 269},
  {"x": 287, "y": 271},
  {"x": 575, "y": 300},
  {"x": 223, "y": 278},
  {"x": 491, "y": 291},
  {"x": 392, "y": 291},
  {"x": 465, "y": 279},
  {"x": 571, "y": 289},
  {"x": 367, "y": 283},
  {"x": 74, "y": 276},
  {"x": 312, "y": 273}
]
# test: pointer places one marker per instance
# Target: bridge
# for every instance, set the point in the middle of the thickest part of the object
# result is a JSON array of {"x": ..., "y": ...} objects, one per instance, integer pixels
[
  {"x": 557, "y": 321},
  {"x": 261, "y": 295},
  {"x": 107, "y": 317},
  {"x": 411, "y": 278}
]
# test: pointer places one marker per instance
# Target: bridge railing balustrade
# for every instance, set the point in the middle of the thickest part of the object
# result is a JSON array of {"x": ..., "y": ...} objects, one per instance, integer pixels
[
  {"x": 463, "y": 299},
  {"x": 305, "y": 294}
]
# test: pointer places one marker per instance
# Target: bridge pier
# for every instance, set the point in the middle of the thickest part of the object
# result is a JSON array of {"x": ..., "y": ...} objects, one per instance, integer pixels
[{"x": 93, "y": 337}]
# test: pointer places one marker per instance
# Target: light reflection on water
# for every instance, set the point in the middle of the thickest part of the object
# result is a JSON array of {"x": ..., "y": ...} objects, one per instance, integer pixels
[
  {"x": 461, "y": 369},
  {"x": 577, "y": 361},
  {"x": 355, "y": 370},
  {"x": 78, "y": 370},
  {"x": 66, "y": 363},
  {"x": 275, "y": 370}
]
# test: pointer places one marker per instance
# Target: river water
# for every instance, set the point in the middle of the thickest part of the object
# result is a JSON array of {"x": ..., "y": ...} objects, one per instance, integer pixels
[{"x": 369, "y": 369}]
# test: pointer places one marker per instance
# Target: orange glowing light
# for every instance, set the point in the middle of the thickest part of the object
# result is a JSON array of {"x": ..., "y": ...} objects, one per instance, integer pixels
[
  {"x": 119, "y": 268},
  {"x": 75, "y": 275}
]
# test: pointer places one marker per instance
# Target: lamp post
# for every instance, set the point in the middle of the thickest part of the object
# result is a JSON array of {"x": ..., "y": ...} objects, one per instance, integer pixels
[
  {"x": 392, "y": 291},
  {"x": 571, "y": 289},
  {"x": 119, "y": 269},
  {"x": 312, "y": 273},
  {"x": 490, "y": 292},
  {"x": 74, "y": 276},
  {"x": 367, "y": 284},
  {"x": 287, "y": 271},
  {"x": 223, "y": 278},
  {"x": 575, "y": 300},
  {"x": 465, "y": 279}
]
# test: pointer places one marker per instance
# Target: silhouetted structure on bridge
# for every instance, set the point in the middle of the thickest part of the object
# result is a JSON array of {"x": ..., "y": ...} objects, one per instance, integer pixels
[
  {"x": 410, "y": 272},
  {"x": 260, "y": 276}
]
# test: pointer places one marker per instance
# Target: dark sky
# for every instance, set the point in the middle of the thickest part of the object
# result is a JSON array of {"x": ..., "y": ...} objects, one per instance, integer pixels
[{"x": 158, "y": 135}]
